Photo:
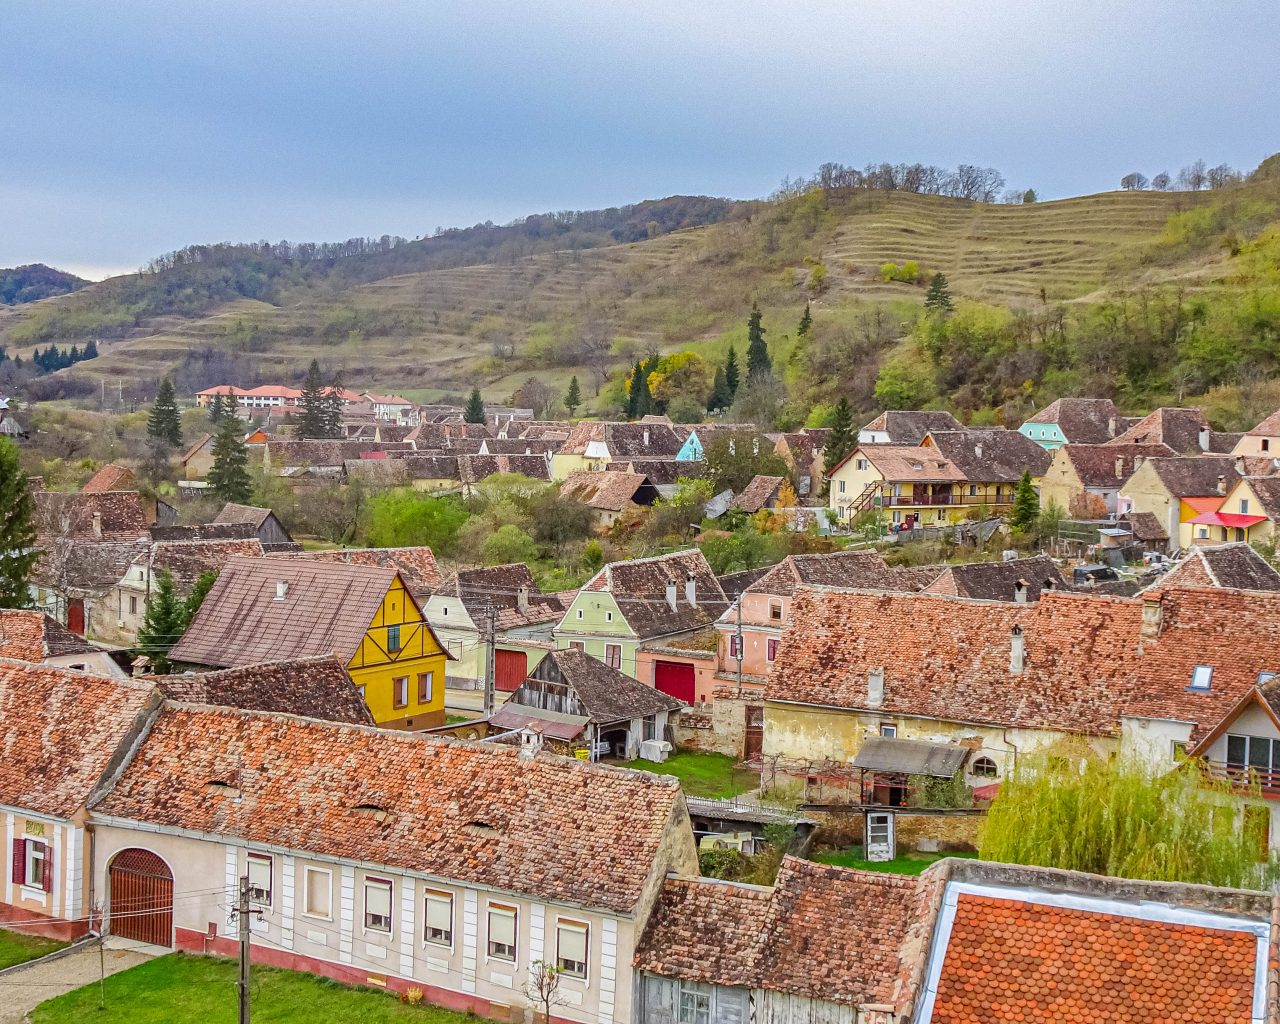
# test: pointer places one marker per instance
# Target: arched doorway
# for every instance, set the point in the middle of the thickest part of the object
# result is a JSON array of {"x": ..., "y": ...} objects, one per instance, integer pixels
[{"x": 140, "y": 888}]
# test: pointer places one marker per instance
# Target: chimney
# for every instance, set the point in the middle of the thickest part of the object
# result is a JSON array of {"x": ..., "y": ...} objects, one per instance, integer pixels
[
  {"x": 1017, "y": 650},
  {"x": 875, "y": 687},
  {"x": 671, "y": 594},
  {"x": 1020, "y": 592},
  {"x": 646, "y": 437},
  {"x": 1239, "y": 465},
  {"x": 97, "y": 524},
  {"x": 690, "y": 589},
  {"x": 1049, "y": 584},
  {"x": 1152, "y": 616},
  {"x": 1119, "y": 467},
  {"x": 282, "y": 589},
  {"x": 977, "y": 450},
  {"x": 1222, "y": 484},
  {"x": 1111, "y": 427},
  {"x": 1204, "y": 439},
  {"x": 530, "y": 744},
  {"x": 522, "y": 600}
]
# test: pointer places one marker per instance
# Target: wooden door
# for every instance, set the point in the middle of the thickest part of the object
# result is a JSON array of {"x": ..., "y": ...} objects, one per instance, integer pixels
[
  {"x": 675, "y": 679},
  {"x": 753, "y": 741},
  {"x": 509, "y": 669},
  {"x": 75, "y": 616},
  {"x": 141, "y": 898}
]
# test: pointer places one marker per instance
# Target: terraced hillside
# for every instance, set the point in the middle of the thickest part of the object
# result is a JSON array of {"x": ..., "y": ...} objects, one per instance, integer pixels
[{"x": 495, "y": 323}]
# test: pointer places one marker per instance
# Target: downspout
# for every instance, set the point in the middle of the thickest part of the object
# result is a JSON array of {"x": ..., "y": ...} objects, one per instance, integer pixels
[{"x": 93, "y": 863}]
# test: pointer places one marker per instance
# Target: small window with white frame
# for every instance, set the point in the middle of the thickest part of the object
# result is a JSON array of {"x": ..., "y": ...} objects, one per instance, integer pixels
[
  {"x": 259, "y": 871},
  {"x": 317, "y": 893},
  {"x": 888, "y": 730},
  {"x": 572, "y": 943},
  {"x": 649, "y": 727},
  {"x": 377, "y": 905},
  {"x": 36, "y": 865},
  {"x": 1202, "y": 677},
  {"x": 438, "y": 907},
  {"x": 694, "y": 1003},
  {"x": 503, "y": 920}
]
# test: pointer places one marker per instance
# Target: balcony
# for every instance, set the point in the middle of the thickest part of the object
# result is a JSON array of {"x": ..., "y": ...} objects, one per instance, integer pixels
[
  {"x": 942, "y": 500},
  {"x": 1265, "y": 781}
]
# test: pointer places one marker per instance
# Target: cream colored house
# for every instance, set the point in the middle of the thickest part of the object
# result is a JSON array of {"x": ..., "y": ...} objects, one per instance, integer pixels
[
  {"x": 1171, "y": 489},
  {"x": 1263, "y": 440}
]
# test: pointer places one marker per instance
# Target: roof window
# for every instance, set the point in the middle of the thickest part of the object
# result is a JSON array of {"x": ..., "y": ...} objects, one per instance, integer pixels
[
  {"x": 1201, "y": 677},
  {"x": 282, "y": 589}
]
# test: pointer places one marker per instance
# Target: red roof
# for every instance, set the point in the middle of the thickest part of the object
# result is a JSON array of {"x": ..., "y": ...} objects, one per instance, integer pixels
[
  {"x": 1209, "y": 504},
  {"x": 1230, "y": 519}
]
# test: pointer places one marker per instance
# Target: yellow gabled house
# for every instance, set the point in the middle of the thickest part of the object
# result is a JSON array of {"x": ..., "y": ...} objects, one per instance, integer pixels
[{"x": 263, "y": 610}]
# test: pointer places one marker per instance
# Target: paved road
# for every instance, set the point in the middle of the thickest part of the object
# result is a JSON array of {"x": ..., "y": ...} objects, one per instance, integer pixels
[
  {"x": 23, "y": 990},
  {"x": 470, "y": 702}
]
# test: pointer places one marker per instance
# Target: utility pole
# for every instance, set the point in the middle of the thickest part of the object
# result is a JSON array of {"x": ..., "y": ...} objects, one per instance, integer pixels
[
  {"x": 738, "y": 636},
  {"x": 242, "y": 986},
  {"x": 490, "y": 630}
]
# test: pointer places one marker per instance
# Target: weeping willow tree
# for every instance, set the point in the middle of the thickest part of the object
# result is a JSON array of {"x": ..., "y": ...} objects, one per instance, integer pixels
[{"x": 1115, "y": 817}]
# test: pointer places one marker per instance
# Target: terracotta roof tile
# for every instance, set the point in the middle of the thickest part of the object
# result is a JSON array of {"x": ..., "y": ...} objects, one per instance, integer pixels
[
  {"x": 609, "y": 491},
  {"x": 187, "y": 560},
  {"x": 474, "y": 468},
  {"x": 991, "y": 456},
  {"x": 757, "y": 494},
  {"x": 1081, "y": 420},
  {"x": 604, "y": 694},
  {"x": 250, "y": 514},
  {"x": 119, "y": 514},
  {"x": 109, "y": 478},
  {"x": 500, "y": 584},
  {"x": 998, "y": 581},
  {"x": 1236, "y": 566},
  {"x": 640, "y": 587},
  {"x": 316, "y": 453},
  {"x": 417, "y": 566},
  {"x": 898, "y": 462},
  {"x": 34, "y": 636},
  {"x": 859, "y": 570},
  {"x": 1180, "y": 429},
  {"x": 1109, "y": 465},
  {"x": 909, "y": 426}
]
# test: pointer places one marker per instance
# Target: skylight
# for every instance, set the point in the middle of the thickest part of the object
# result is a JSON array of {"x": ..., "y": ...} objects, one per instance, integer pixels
[{"x": 1201, "y": 677}]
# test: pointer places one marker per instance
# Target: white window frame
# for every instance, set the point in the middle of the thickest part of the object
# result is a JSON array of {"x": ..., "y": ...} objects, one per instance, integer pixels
[
  {"x": 262, "y": 861},
  {"x": 568, "y": 925},
  {"x": 309, "y": 872},
  {"x": 888, "y": 730},
  {"x": 1201, "y": 678},
  {"x": 35, "y": 851},
  {"x": 438, "y": 897},
  {"x": 649, "y": 727},
  {"x": 503, "y": 910},
  {"x": 399, "y": 693},
  {"x": 375, "y": 882},
  {"x": 698, "y": 992}
]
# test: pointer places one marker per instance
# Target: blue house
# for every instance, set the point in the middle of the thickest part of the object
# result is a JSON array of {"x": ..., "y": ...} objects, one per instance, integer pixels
[{"x": 1074, "y": 421}]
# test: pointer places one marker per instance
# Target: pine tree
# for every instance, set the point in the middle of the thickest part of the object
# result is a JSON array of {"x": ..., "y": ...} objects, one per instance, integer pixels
[
  {"x": 1026, "y": 505},
  {"x": 806, "y": 321},
  {"x": 216, "y": 410},
  {"x": 163, "y": 624},
  {"x": 720, "y": 398},
  {"x": 196, "y": 598},
  {"x": 91, "y": 350},
  {"x": 938, "y": 298},
  {"x": 644, "y": 397},
  {"x": 333, "y": 408},
  {"x": 573, "y": 397},
  {"x": 758, "y": 361},
  {"x": 731, "y": 373},
  {"x": 18, "y": 552},
  {"x": 229, "y": 475},
  {"x": 841, "y": 440},
  {"x": 633, "y": 391},
  {"x": 312, "y": 424},
  {"x": 165, "y": 423},
  {"x": 474, "y": 411}
]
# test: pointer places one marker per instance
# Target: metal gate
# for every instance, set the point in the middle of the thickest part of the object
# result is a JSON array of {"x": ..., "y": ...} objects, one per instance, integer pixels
[
  {"x": 674, "y": 678},
  {"x": 141, "y": 898}
]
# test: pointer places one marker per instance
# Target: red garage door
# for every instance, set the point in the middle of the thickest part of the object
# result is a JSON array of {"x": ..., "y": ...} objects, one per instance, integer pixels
[
  {"x": 674, "y": 678},
  {"x": 509, "y": 669}
]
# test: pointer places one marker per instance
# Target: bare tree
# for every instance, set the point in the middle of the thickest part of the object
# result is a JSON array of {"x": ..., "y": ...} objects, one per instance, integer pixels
[
  {"x": 1134, "y": 181},
  {"x": 1193, "y": 177},
  {"x": 1223, "y": 176},
  {"x": 1161, "y": 182},
  {"x": 543, "y": 988}
]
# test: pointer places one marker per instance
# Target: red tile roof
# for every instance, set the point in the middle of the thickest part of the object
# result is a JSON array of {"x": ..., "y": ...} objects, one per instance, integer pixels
[
  {"x": 757, "y": 494},
  {"x": 1081, "y": 420},
  {"x": 548, "y": 828},
  {"x": 1110, "y": 464},
  {"x": 417, "y": 566},
  {"x": 34, "y": 636},
  {"x": 109, "y": 478}
]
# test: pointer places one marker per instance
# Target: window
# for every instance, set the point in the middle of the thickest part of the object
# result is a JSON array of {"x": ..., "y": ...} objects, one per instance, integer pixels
[
  {"x": 862, "y": 463},
  {"x": 1244, "y": 506},
  {"x": 1202, "y": 532},
  {"x": 973, "y": 490},
  {"x": 577, "y": 645},
  {"x": 502, "y": 932},
  {"x": 439, "y": 918},
  {"x": 317, "y": 892},
  {"x": 31, "y": 864},
  {"x": 360, "y": 690},
  {"x": 841, "y": 487},
  {"x": 984, "y": 768},
  {"x": 608, "y": 616},
  {"x": 771, "y": 648},
  {"x": 579, "y": 613},
  {"x": 613, "y": 655},
  {"x": 377, "y": 905},
  {"x": 1266, "y": 444},
  {"x": 888, "y": 730},
  {"x": 1201, "y": 677},
  {"x": 133, "y": 604},
  {"x": 571, "y": 948},
  {"x": 695, "y": 1003},
  {"x": 400, "y": 691},
  {"x": 426, "y": 687},
  {"x": 735, "y": 647},
  {"x": 650, "y": 727},
  {"x": 775, "y": 611},
  {"x": 259, "y": 871},
  {"x": 393, "y": 638},
  {"x": 1179, "y": 751}
]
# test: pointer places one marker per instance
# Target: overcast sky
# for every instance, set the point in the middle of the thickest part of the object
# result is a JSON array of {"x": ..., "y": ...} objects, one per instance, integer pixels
[{"x": 130, "y": 128}]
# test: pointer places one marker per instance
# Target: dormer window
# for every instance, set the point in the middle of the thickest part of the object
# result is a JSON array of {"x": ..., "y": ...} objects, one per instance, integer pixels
[
  {"x": 1202, "y": 678},
  {"x": 1265, "y": 677}
]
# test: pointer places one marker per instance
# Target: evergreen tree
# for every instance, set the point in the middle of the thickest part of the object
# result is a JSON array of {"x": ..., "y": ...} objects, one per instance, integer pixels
[
  {"x": 333, "y": 408},
  {"x": 163, "y": 624},
  {"x": 633, "y": 391},
  {"x": 644, "y": 397},
  {"x": 91, "y": 350},
  {"x": 474, "y": 411},
  {"x": 165, "y": 423},
  {"x": 842, "y": 439},
  {"x": 806, "y": 321},
  {"x": 758, "y": 361},
  {"x": 720, "y": 397},
  {"x": 18, "y": 552},
  {"x": 731, "y": 373},
  {"x": 216, "y": 410},
  {"x": 312, "y": 423},
  {"x": 938, "y": 298},
  {"x": 196, "y": 598},
  {"x": 229, "y": 474},
  {"x": 73, "y": 356},
  {"x": 1026, "y": 505},
  {"x": 573, "y": 397}
]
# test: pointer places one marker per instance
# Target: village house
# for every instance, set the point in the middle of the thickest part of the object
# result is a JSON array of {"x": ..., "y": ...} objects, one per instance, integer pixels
[
  {"x": 1020, "y": 580},
  {"x": 912, "y": 486},
  {"x": 578, "y": 703},
  {"x": 1100, "y": 470},
  {"x": 905, "y": 428},
  {"x": 64, "y": 731},
  {"x": 523, "y": 620},
  {"x": 701, "y": 436},
  {"x": 609, "y": 494},
  {"x": 318, "y": 457},
  {"x": 392, "y": 407},
  {"x": 1234, "y": 566},
  {"x": 592, "y": 445},
  {"x": 992, "y": 461},
  {"x": 804, "y": 452},
  {"x": 271, "y": 609},
  {"x": 643, "y": 599},
  {"x": 266, "y": 526},
  {"x": 1186, "y": 431},
  {"x": 1074, "y": 421},
  {"x": 109, "y": 478},
  {"x": 416, "y": 565},
  {"x": 664, "y": 474},
  {"x": 1249, "y": 511},
  {"x": 265, "y": 396},
  {"x": 431, "y": 473},
  {"x": 518, "y": 446},
  {"x": 1176, "y": 492},
  {"x": 448, "y": 867},
  {"x": 473, "y": 469},
  {"x": 1262, "y": 440},
  {"x": 765, "y": 492},
  {"x": 43, "y": 640},
  {"x": 683, "y": 667}
]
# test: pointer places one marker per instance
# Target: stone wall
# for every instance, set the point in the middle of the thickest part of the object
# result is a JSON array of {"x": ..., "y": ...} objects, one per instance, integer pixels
[
  {"x": 718, "y": 727},
  {"x": 916, "y": 829}
]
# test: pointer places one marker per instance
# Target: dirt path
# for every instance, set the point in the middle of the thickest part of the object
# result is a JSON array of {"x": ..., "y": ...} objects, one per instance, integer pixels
[{"x": 24, "y": 989}]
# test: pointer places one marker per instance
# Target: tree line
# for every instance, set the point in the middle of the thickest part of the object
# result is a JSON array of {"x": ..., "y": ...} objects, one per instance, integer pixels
[
  {"x": 1195, "y": 177},
  {"x": 967, "y": 181}
]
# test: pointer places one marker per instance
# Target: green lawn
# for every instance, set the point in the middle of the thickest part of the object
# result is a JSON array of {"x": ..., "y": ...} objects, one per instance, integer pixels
[
  {"x": 180, "y": 989},
  {"x": 905, "y": 864},
  {"x": 702, "y": 774},
  {"x": 16, "y": 948}
]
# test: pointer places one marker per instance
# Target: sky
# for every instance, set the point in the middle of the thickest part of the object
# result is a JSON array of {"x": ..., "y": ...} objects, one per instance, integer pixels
[{"x": 131, "y": 128}]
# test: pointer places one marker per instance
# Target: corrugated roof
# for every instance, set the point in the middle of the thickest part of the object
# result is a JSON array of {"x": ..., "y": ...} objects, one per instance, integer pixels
[{"x": 911, "y": 757}]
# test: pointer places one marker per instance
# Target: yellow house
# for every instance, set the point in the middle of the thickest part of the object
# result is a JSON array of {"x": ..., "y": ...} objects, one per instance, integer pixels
[
  {"x": 912, "y": 485},
  {"x": 1247, "y": 513},
  {"x": 1178, "y": 490},
  {"x": 275, "y": 609}
]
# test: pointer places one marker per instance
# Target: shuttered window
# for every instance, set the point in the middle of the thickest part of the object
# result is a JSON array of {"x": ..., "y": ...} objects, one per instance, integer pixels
[
  {"x": 426, "y": 687},
  {"x": 400, "y": 691},
  {"x": 439, "y": 918},
  {"x": 502, "y": 932},
  {"x": 377, "y": 905},
  {"x": 33, "y": 864},
  {"x": 572, "y": 941}
]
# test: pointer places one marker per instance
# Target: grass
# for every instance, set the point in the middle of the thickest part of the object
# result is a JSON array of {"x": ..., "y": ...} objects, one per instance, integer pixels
[
  {"x": 181, "y": 989},
  {"x": 905, "y": 864},
  {"x": 457, "y": 719},
  {"x": 17, "y": 948},
  {"x": 702, "y": 774}
]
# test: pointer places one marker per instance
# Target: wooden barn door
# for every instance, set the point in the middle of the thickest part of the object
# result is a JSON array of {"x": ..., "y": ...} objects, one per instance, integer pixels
[
  {"x": 75, "y": 616},
  {"x": 675, "y": 679},
  {"x": 509, "y": 669},
  {"x": 141, "y": 898}
]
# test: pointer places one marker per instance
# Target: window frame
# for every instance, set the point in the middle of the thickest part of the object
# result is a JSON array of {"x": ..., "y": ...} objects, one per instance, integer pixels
[
  {"x": 700, "y": 993},
  {"x": 771, "y": 648},
  {"x": 503, "y": 910},
  {"x": 438, "y": 896},
  {"x": 1201, "y": 679},
  {"x": 613, "y": 656},
  {"x": 994, "y": 773},
  {"x": 393, "y": 639},
  {"x": 426, "y": 694},
  {"x": 307, "y": 873},
  {"x": 36, "y": 851},
  {"x": 377, "y": 882},
  {"x": 399, "y": 692},
  {"x": 775, "y": 611},
  {"x": 256, "y": 897},
  {"x": 583, "y": 928},
  {"x": 649, "y": 727},
  {"x": 888, "y": 730}
]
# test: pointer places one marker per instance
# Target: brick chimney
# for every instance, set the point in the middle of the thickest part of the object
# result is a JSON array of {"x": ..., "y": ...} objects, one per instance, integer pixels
[
  {"x": 1222, "y": 484},
  {"x": 97, "y": 525},
  {"x": 875, "y": 687},
  {"x": 522, "y": 600},
  {"x": 1152, "y": 616},
  {"x": 1017, "y": 650}
]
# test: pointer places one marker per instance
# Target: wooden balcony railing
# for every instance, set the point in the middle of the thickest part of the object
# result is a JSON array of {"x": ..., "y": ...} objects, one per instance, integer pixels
[{"x": 1264, "y": 780}]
